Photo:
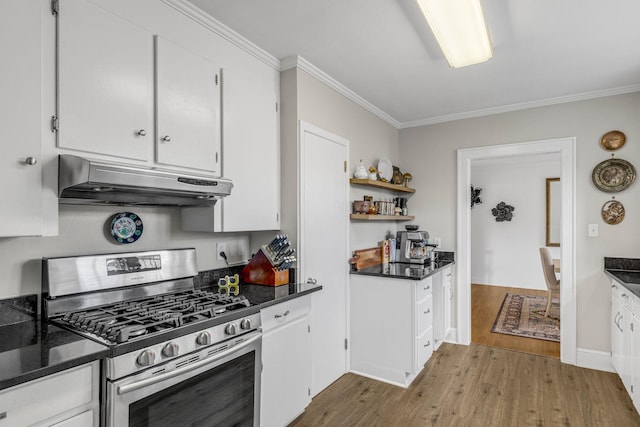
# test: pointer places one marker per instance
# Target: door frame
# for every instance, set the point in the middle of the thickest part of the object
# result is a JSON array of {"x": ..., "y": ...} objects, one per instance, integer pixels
[
  {"x": 305, "y": 127},
  {"x": 566, "y": 147}
]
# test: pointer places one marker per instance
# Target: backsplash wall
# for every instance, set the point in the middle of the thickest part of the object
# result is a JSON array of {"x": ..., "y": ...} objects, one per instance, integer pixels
[{"x": 84, "y": 230}]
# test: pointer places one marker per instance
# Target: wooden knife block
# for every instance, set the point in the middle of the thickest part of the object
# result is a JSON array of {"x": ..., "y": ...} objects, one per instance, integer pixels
[{"x": 260, "y": 271}]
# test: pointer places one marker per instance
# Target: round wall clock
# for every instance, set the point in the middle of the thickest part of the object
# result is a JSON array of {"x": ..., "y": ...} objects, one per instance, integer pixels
[{"x": 126, "y": 227}]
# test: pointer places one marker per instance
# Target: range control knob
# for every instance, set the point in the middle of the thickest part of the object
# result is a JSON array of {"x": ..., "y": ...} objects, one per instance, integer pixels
[
  {"x": 203, "y": 338},
  {"x": 231, "y": 329},
  {"x": 171, "y": 350},
  {"x": 245, "y": 324},
  {"x": 146, "y": 358}
]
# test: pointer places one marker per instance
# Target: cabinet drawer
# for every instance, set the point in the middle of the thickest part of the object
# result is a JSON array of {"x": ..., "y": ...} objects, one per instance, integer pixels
[
  {"x": 424, "y": 348},
  {"x": 424, "y": 288},
  {"x": 424, "y": 315},
  {"x": 446, "y": 277},
  {"x": 623, "y": 294},
  {"x": 40, "y": 399},
  {"x": 284, "y": 312}
]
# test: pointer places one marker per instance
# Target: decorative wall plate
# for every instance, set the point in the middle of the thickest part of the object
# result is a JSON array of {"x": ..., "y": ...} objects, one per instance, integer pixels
[
  {"x": 385, "y": 169},
  {"x": 613, "y": 175},
  {"x": 126, "y": 227},
  {"x": 613, "y": 140},
  {"x": 612, "y": 212}
]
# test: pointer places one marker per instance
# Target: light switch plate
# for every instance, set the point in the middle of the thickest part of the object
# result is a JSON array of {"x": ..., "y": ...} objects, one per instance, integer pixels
[{"x": 593, "y": 230}]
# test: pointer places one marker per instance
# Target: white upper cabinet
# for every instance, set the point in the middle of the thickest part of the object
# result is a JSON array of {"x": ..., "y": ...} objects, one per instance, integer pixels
[
  {"x": 188, "y": 98},
  {"x": 105, "y": 82},
  {"x": 21, "y": 163},
  {"x": 251, "y": 144},
  {"x": 106, "y": 77}
]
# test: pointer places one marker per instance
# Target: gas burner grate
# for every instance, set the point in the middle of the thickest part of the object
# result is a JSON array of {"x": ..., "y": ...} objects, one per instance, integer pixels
[{"x": 126, "y": 320}]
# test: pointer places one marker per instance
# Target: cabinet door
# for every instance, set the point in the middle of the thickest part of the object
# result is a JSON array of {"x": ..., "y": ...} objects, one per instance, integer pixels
[
  {"x": 616, "y": 335},
  {"x": 438, "y": 309},
  {"x": 626, "y": 374},
  {"x": 286, "y": 371},
  {"x": 635, "y": 360},
  {"x": 20, "y": 106},
  {"x": 448, "y": 297},
  {"x": 251, "y": 145},
  {"x": 105, "y": 82},
  {"x": 188, "y": 108}
]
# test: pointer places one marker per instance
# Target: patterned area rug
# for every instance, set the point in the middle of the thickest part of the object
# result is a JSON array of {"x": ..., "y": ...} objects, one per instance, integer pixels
[{"x": 523, "y": 315}]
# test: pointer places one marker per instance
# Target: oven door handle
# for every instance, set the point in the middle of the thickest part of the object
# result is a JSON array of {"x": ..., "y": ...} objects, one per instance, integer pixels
[{"x": 123, "y": 389}]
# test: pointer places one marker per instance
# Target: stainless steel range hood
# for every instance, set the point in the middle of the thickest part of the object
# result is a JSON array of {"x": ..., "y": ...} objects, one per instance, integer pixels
[{"x": 84, "y": 181}]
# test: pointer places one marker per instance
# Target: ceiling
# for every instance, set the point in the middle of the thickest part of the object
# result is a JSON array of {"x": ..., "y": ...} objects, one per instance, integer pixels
[{"x": 545, "y": 52}]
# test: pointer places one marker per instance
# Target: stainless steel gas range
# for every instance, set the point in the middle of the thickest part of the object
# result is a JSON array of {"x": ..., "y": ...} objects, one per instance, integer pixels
[{"x": 177, "y": 355}]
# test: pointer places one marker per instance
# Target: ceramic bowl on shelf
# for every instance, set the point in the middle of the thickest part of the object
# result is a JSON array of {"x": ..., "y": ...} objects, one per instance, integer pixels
[{"x": 411, "y": 227}]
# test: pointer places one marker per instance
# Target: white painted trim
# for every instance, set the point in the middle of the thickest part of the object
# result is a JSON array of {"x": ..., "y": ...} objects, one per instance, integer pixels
[
  {"x": 592, "y": 359},
  {"x": 303, "y": 64},
  {"x": 522, "y": 106},
  {"x": 568, "y": 307},
  {"x": 203, "y": 18}
]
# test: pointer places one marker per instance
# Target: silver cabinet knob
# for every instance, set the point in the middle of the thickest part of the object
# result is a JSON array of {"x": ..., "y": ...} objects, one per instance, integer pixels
[
  {"x": 31, "y": 161},
  {"x": 170, "y": 350},
  {"x": 141, "y": 132},
  {"x": 245, "y": 324},
  {"x": 311, "y": 281},
  {"x": 204, "y": 338},
  {"x": 166, "y": 138},
  {"x": 146, "y": 358},
  {"x": 231, "y": 329}
]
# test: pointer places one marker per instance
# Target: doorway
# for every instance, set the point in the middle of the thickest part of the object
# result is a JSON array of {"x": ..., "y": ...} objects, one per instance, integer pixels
[
  {"x": 566, "y": 149},
  {"x": 323, "y": 244}
]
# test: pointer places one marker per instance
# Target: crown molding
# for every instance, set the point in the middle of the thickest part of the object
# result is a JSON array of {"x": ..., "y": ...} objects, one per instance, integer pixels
[
  {"x": 303, "y": 64},
  {"x": 198, "y": 15},
  {"x": 523, "y": 106}
]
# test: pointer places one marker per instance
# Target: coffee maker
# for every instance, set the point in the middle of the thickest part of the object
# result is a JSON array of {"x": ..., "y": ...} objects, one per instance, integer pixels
[{"x": 413, "y": 247}]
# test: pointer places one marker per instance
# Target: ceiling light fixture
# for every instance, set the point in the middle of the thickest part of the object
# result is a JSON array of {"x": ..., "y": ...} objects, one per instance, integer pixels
[{"x": 460, "y": 30}]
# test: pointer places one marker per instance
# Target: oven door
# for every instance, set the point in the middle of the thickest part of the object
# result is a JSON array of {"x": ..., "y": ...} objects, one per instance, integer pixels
[{"x": 216, "y": 386}]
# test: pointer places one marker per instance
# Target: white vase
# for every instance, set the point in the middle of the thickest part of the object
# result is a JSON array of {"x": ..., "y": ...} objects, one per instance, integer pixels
[{"x": 361, "y": 171}]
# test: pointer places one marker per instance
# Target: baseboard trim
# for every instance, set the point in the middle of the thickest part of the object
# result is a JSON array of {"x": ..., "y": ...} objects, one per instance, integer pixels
[
  {"x": 592, "y": 359},
  {"x": 451, "y": 336}
]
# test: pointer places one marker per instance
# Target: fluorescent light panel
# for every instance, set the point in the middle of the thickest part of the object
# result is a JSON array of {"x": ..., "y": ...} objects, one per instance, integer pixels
[{"x": 460, "y": 30}]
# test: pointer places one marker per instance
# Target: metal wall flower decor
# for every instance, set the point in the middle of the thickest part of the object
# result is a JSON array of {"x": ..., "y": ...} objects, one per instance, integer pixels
[
  {"x": 475, "y": 196},
  {"x": 503, "y": 212}
]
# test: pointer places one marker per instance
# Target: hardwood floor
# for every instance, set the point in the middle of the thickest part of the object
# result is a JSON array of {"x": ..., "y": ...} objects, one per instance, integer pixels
[
  {"x": 479, "y": 386},
  {"x": 485, "y": 305}
]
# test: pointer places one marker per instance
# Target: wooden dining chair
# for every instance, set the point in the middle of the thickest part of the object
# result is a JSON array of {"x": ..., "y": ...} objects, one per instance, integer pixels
[{"x": 553, "y": 284}]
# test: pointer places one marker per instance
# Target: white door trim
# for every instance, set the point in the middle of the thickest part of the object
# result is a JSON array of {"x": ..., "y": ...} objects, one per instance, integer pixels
[{"x": 568, "y": 304}]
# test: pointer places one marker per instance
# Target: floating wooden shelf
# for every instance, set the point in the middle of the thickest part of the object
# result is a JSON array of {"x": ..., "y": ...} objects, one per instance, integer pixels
[
  {"x": 382, "y": 217},
  {"x": 380, "y": 184}
]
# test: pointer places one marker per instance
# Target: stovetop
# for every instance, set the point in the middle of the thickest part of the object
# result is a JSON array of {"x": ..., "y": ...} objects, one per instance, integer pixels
[{"x": 155, "y": 318}]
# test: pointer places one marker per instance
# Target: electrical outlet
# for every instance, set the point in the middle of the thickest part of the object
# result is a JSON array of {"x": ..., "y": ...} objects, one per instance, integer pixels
[
  {"x": 221, "y": 247},
  {"x": 437, "y": 241}
]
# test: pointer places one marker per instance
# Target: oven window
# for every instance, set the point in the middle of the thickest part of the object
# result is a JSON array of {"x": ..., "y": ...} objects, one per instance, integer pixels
[{"x": 221, "y": 396}]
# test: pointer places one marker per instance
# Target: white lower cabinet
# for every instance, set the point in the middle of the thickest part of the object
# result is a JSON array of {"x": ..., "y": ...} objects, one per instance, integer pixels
[
  {"x": 391, "y": 327},
  {"x": 68, "y": 398},
  {"x": 625, "y": 339},
  {"x": 286, "y": 362}
]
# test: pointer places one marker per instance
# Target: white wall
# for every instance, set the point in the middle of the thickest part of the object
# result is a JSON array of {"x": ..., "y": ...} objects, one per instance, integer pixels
[
  {"x": 506, "y": 253},
  {"x": 83, "y": 230},
  {"x": 306, "y": 98},
  {"x": 433, "y": 148}
]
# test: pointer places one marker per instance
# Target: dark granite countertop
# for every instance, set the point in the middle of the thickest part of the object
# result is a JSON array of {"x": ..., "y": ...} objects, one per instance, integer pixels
[
  {"x": 626, "y": 271},
  {"x": 31, "y": 349},
  {"x": 405, "y": 271}
]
